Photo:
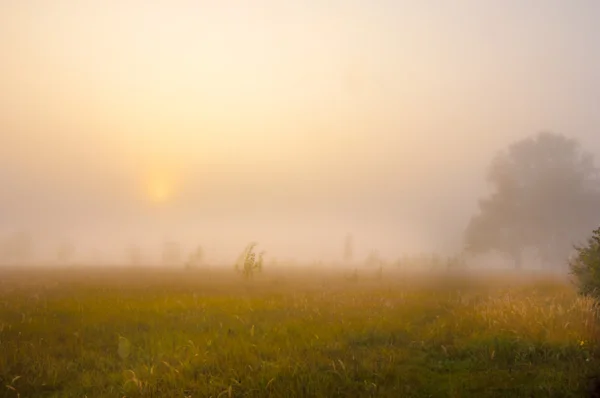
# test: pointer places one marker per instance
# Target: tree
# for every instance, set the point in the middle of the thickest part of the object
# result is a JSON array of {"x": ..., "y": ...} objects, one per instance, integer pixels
[
  {"x": 196, "y": 258},
  {"x": 373, "y": 259},
  {"x": 348, "y": 249},
  {"x": 546, "y": 190},
  {"x": 585, "y": 266}
]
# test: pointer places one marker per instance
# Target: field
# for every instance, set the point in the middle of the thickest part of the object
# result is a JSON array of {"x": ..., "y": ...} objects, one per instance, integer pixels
[{"x": 296, "y": 333}]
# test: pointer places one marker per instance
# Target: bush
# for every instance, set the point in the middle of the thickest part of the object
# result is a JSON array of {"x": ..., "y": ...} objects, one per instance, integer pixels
[
  {"x": 585, "y": 266},
  {"x": 247, "y": 263}
]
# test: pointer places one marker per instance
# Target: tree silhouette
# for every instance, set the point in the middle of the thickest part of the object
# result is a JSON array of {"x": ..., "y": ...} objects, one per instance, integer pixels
[
  {"x": 373, "y": 259},
  {"x": 546, "y": 196},
  {"x": 348, "y": 249},
  {"x": 196, "y": 258}
]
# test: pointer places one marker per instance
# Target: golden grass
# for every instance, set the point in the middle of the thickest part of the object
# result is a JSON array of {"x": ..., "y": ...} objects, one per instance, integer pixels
[{"x": 292, "y": 332}]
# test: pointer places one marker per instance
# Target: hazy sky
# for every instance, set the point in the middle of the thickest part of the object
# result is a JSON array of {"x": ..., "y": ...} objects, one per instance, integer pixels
[{"x": 288, "y": 122}]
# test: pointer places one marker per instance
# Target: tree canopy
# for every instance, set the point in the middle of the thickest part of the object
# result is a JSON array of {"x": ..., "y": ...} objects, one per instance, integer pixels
[{"x": 546, "y": 196}]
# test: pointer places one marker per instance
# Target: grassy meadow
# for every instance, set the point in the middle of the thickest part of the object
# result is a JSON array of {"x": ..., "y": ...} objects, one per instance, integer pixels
[{"x": 296, "y": 333}]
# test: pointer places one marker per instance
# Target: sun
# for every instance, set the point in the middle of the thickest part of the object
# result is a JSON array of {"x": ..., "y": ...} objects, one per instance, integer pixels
[{"x": 160, "y": 189}]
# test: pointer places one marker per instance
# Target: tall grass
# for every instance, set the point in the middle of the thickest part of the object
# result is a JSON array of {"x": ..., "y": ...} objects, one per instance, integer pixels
[{"x": 301, "y": 333}]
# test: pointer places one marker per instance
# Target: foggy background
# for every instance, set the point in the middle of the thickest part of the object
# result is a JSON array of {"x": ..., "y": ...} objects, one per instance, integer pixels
[{"x": 291, "y": 123}]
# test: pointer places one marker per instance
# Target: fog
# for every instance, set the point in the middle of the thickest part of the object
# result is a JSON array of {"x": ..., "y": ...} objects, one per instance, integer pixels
[{"x": 290, "y": 123}]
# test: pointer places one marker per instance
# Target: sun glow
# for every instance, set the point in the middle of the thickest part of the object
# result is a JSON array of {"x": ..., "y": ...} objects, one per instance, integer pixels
[{"x": 160, "y": 189}]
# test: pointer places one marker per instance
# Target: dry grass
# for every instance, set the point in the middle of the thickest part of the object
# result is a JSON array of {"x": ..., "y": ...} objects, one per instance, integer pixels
[{"x": 295, "y": 333}]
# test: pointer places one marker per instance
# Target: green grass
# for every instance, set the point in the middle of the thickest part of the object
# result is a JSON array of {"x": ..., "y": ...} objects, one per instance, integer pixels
[{"x": 153, "y": 333}]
